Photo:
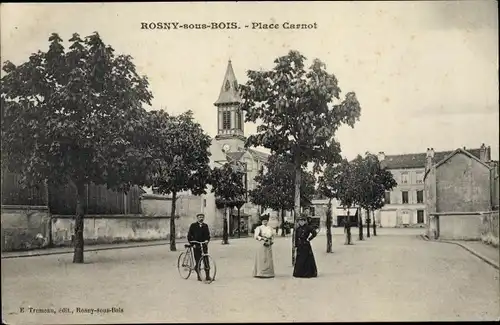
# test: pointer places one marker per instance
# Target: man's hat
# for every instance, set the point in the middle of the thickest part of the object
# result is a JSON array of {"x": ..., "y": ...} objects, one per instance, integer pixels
[{"x": 264, "y": 217}]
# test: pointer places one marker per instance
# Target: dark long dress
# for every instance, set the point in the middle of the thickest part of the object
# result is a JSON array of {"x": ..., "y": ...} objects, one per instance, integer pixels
[{"x": 305, "y": 264}]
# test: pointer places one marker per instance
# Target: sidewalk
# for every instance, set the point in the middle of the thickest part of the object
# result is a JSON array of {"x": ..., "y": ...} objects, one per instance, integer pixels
[
  {"x": 487, "y": 253},
  {"x": 87, "y": 248}
]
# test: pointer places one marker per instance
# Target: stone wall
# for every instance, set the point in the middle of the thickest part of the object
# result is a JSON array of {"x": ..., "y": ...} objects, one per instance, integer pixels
[
  {"x": 458, "y": 225},
  {"x": 24, "y": 227},
  {"x": 490, "y": 228},
  {"x": 116, "y": 228}
]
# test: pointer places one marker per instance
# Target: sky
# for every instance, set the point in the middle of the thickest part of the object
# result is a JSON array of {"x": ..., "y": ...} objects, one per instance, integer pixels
[{"x": 425, "y": 73}]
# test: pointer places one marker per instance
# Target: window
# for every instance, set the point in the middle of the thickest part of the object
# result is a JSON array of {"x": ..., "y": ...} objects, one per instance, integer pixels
[
  {"x": 238, "y": 120},
  {"x": 387, "y": 198},
  {"x": 226, "y": 120},
  {"x": 420, "y": 177},
  {"x": 312, "y": 211},
  {"x": 420, "y": 216},
  {"x": 205, "y": 203},
  {"x": 420, "y": 196},
  {"x": 404, "y": 178},
  {"x": 405, "y": 197}
]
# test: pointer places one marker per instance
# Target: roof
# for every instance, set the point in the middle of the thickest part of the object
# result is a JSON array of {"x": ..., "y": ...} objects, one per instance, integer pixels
[
  {"x": 462, "y": 151},
  {"x": 235, "y": 155},
  {"x": 229, "y": 93},
  {"x": 419, "y": 160},
  {"x": 260, "y": 155}
]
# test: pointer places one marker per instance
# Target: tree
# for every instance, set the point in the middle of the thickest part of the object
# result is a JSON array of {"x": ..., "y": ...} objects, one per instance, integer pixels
[
  {"x": 361, "y": 180},
  {"x": 75, "y": 117},
  {"x": 329, "y": 186},
  {"x": 227, "y": 184},
  {"x": 275, "y": 187},
  {"x": 299, "y": 113},
  {"x": 347, "y": 191},
  {"x": 180, "y": 151},
  {"x": 377, "y": 180}
]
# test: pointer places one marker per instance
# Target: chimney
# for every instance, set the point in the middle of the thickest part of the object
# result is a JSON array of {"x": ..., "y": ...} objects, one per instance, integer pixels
[
  {"x": 430, "y": 153},
  {"x": 430, "y": 158},
  {"x": 485, "y": 153},
  {"x": 381, "y": 156}
]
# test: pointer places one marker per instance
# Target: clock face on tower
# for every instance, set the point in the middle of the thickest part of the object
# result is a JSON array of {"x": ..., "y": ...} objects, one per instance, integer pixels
[{"x": 225, "y": 147}]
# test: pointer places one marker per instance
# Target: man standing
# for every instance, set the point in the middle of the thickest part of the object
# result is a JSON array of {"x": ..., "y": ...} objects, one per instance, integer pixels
[{"x": 198, "y": 231}]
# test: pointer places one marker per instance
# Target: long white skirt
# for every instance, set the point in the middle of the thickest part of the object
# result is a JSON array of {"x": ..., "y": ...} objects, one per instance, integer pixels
[{"x": 264, "y": 266}]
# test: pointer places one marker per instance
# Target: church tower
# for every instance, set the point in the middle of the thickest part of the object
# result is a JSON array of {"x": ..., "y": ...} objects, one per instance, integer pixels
[{"x": 230, "y": 121}]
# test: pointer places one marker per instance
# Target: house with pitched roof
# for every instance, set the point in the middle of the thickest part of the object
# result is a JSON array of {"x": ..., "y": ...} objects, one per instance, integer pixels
[
  {"x": 406, "y": 203},
  {"x": 458, "y": 192}
]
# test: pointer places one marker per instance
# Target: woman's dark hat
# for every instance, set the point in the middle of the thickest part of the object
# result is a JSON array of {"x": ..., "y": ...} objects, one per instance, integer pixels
[{"x": 264, "y": 217}]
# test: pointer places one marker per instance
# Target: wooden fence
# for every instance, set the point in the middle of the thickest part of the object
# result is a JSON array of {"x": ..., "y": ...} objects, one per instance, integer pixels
[
  {"x": 99, "y": 200},
  {"x": 62, "y": 199},
  {"x": 13, "y": 193}
]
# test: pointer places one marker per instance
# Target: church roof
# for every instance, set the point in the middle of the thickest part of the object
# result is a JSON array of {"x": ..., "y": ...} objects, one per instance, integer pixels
[
  {"x": 229, "y": 93},
  {"x": 260, "y": 155},
  {"x": 235, "y": 155}
]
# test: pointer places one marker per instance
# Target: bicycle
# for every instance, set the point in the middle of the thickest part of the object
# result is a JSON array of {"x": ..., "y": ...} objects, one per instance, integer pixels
[{"x": 186, "y": 262}]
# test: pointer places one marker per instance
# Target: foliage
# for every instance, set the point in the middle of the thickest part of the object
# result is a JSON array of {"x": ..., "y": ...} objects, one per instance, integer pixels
[
  {"x": 297, "y": 109},
  {"x": 180, "y": 153},
  {"x": 75, "y": 116},
  {"x": 275, "y": 187},
  {"x": 339, "y": 182},
  {"x": 227, "y": 184},
  {"x": 373, "y": 181},
  {"x": 180, "y": 157}
]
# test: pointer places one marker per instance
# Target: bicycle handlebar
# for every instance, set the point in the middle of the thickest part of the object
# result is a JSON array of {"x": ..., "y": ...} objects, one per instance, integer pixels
[{"x": 199, "y": 242}]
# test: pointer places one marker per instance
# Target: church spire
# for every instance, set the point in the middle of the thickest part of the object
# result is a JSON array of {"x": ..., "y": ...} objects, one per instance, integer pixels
[{"x": 229, "y": 93}]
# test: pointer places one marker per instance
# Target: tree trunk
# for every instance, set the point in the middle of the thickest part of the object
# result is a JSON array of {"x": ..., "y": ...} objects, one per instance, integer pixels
[
  {"x": 374, "y": 224},
  {"x": 80, "y": 214},
  {"x": 296, "y": 209},
  {"x": 225, "y": 235},
  {"x": 360, "y": 226},
  {"x": 329, "y": 227},
  {"x": 367, "y": 223},
  {"x": 172, "y": 223},
  {"x": 282, "y": 222},
  {"x": 239, "y": 222}
]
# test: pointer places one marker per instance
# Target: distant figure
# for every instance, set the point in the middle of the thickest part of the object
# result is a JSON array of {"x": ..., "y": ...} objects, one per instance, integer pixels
[
  {"x": 264, "y": 266},
  {"x": 198, "y": 231},
  {"x": 305, "y": 264}
]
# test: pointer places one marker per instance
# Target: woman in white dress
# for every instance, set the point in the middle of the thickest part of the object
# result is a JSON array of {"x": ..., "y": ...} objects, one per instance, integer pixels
[{"x": 264, "y": 267}]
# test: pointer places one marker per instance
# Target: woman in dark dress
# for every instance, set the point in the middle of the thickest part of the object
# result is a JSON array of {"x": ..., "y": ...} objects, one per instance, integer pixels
[{"x": 305, "y": 265}]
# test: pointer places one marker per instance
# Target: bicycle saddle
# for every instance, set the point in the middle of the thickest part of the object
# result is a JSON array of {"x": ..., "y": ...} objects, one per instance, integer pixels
[{"x": 187, "y": 245}]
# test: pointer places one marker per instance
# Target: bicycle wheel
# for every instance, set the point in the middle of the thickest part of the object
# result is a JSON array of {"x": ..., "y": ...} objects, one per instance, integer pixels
[
  {"x": 185, "y": 265},
  {"x": 208, "y": 268}
]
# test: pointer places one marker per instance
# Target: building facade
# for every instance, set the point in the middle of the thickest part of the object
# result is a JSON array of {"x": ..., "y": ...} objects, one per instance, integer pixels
[
  {"x": 458, "y": 194},
  {"x": 406, "y": 204}
]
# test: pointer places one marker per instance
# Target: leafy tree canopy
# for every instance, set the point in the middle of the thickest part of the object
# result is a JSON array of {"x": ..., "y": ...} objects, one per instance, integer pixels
[
  {"x": 275, "y": 187},
  {"x": 300, "y": 109},
  {"x": 180, "y": 153},
  {"x": 75, "y": 115},
  {"x": 227, "y": 184}
]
